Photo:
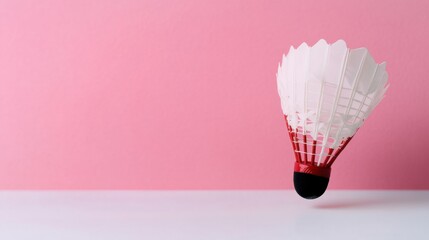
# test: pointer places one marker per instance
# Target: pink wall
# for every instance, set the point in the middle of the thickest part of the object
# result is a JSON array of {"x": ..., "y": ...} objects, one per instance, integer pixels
[{"x": 182, "y": 94}]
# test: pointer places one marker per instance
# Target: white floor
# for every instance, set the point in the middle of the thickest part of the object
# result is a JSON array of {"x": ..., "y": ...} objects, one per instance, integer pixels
[{"x": 205, "y": 215}]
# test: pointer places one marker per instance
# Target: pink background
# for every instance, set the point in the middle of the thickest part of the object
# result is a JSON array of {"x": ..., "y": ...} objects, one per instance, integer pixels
[{"x": 182, "y": 94}]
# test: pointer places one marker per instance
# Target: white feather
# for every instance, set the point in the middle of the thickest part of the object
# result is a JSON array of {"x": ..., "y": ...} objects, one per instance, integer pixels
[{"x": 327, "y": 91}]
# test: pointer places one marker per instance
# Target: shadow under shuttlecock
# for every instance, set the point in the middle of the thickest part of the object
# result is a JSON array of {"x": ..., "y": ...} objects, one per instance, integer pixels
[
  {"x": 388, "y": 199},
  {"x": 360, "y": 203}
]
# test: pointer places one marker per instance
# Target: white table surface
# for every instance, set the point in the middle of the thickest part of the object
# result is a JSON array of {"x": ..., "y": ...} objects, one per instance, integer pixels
[{"x": 190, "y": 215}]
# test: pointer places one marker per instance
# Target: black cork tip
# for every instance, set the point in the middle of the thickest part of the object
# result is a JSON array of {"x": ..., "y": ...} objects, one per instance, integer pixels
[{"x": 309, "y": 186}]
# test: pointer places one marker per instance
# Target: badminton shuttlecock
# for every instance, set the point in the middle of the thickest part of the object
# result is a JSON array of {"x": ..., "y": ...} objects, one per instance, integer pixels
[{"x": 326, "y": 91}]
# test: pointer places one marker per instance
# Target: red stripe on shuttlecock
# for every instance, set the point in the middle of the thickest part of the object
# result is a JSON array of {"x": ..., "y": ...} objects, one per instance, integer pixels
[
  {"x": 314, "y": 170},
  {"x": 305, "y": 155}
]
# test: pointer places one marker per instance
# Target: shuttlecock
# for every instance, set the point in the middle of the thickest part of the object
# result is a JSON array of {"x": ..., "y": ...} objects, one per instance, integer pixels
[{"x": 326, "y": 92}]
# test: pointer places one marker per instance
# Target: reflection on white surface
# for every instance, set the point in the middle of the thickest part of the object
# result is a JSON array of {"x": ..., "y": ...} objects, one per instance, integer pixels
[{"x": 212, "y": 215}]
